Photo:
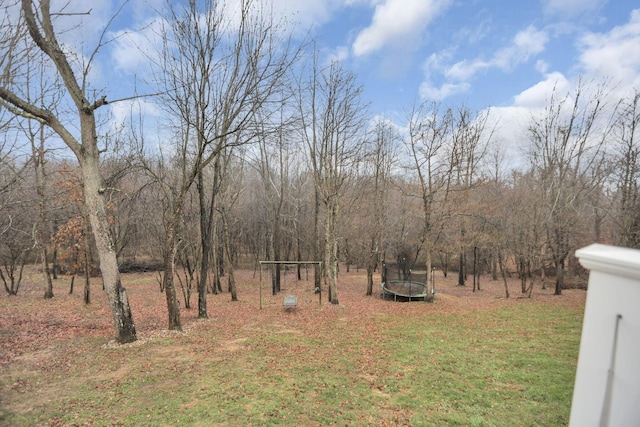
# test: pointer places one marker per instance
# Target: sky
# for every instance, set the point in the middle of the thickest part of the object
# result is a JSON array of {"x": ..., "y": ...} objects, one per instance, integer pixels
[
  {"x": 482, "y": 53},
  {"x": 500, "y": 54}
]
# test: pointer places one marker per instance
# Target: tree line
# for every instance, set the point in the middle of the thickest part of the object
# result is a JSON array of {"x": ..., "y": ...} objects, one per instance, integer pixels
[{"x": 265, "y": 152}]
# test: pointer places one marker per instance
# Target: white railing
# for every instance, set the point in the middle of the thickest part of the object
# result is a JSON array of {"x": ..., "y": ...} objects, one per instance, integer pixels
[{"x": 607, "y": 387}]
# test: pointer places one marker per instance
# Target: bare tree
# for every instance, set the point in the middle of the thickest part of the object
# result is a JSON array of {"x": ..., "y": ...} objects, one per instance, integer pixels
[
  {"x": 231, "y": 191},
  {"x": 41, "y": 232},
  {"x": 37, "y": 133},
  {"x": 207, "y": 192},
  {"x": 468, "y": 146},
  {"x": 380, "y": 161},
  {"x": 333, "y": 117},
  {"x": 627, "y": 175},
  {"x": 567, "y": 147},
  {"x": 273, "y": 168},
  {"x": 218, "y": 68},
  {"x": 42, "y": 36},
  {"x": 430, "y": 131},
  {"x": 16, "y": 225}
]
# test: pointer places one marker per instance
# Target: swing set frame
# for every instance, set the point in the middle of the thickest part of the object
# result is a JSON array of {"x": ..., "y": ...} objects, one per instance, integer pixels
[{"x": 319, "y": 263}]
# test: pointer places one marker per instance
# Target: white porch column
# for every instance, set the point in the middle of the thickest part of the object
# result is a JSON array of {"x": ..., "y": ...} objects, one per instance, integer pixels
[{"x": 607, "y": 387}]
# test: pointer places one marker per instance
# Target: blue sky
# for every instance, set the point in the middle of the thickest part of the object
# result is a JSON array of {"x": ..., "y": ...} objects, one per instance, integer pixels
[
  {"x": 503, "y": 54},
  {"x": 480, "y": 53}
]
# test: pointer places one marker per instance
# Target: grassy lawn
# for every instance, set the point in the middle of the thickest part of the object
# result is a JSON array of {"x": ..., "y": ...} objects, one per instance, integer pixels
[{"x": 491, "y": 362}]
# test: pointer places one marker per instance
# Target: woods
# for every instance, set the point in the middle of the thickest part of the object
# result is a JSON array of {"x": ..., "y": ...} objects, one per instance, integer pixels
[{"x": 260, "y": 150}]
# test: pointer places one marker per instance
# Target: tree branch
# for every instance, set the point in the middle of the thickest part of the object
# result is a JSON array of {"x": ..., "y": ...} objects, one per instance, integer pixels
[{"x": 23, "y": 108}]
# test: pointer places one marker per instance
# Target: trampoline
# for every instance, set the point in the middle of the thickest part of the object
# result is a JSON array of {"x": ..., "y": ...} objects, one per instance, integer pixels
[
  {"x": 404, "y": 290},
  {"x": 400, "y": 283}
]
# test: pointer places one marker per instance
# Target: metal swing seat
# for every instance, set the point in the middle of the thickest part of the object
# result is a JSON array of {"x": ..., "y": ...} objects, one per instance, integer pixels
[{"x": 290, "y": 302}]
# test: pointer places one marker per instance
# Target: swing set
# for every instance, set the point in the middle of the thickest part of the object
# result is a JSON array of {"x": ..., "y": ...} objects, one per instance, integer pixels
[{"x": 290, "y": 301}]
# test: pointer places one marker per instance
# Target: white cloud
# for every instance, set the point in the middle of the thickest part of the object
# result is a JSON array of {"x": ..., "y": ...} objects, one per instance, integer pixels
[
  {"x": 139, "y": 116},
  {"x": 427, "y": 91},
  {"x": 123, "y": 112},
  {"x": 339, "y": 54},
  {"x": 464, "y": 70},
  {"x": 510, "y": 125},
  {"x": 437, "y": 62},
  {"x": 396, "y": 21},
  {"x": 566, "y": 8},
  {"x": 525, "y": 44},
  {"x": 133, "y": 48},
  {"x": 614, "y": 55},
  {"x": 542, "y": 66},
  {"x": 307, "y": 13},
  {"x": 538, "y": 95},
  {"x": 302, "y": 15},
  {"x": 80, "y": 23},
  {"x": 145, "y": 9}
]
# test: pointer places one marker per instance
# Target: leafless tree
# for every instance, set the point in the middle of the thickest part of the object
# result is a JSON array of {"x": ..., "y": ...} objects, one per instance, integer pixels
[
  {"x": 469, "y": 141},
  {"x": 230, "y": 192},
  {"x": 273, "y": 165},
  {"x": 567, "y": 140},
  {"x": 430, "y": 131},
  {"x": 36, "y": 80},
  {"x": 35, "y": 30},
  {"x": 16, "y": 225},
  {"x": 333, "y": 116},
  {"x": 219, "y": 66},
  {"x": 42, "y": 230},
  {"x": 378, "y": 164},
  {"x": 627, "y": 175}
]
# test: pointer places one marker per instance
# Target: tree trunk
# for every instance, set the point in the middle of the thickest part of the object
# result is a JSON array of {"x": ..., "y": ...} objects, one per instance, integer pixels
[
  {"x": 227, "y": 246},
  {"x": 331, "y": 250},
  {"x": 86, "y": 295},
  {"x": 202, "y": 282},
  {"x": 522, "y": 273},
  {"x": 503, "y": 273},
  {"x": 559, "y": 277},
  {"x": 430, "y": 288},
  {"x": 168, "y": 282},
  {"x": 54, "y": 263},
  {"x": 38, "y": 153},
  {"x": 372, "y": 260},
  {"x": 274, "y": 253},
  {"x": 86, "y": 291},
  {"x": 461, "y": 267},
  {"x": 475, "y": 267},
  {"x": 298, "y": 258},
  {"x": 48, "y": 293},
  {"x": 494, "y": 266},
  {"x": 206, "y": 233},
  {"x": 216, "y": 287},
  {"x": 369, "y": 279},
  {"x": 317, "y": 277},
  {"x": 94, "y": 201},
  {"x": 445, "y": 264}
]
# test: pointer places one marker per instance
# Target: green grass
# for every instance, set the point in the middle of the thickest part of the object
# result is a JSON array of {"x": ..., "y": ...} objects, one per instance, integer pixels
[{"x": 511, "y": 364}]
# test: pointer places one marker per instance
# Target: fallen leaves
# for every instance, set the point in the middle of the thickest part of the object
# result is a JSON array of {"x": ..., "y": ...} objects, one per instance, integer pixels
[{"x": 29, "y": 323}]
